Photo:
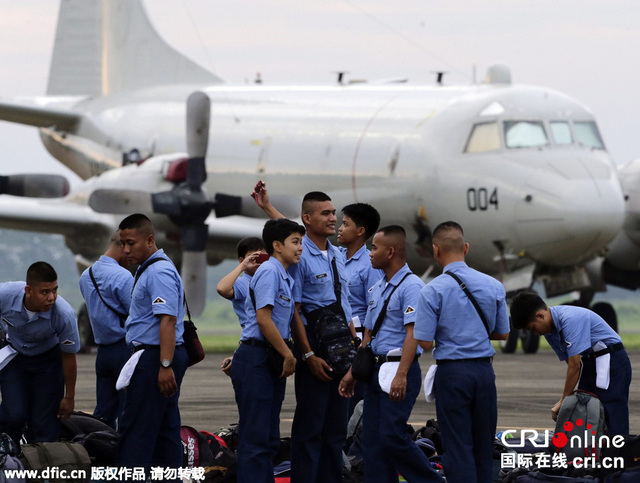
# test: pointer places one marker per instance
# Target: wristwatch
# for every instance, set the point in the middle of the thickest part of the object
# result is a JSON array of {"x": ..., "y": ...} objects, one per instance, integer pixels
[
  {"x": 307, "y": 355},
  {"x": 166, "y": 363}
]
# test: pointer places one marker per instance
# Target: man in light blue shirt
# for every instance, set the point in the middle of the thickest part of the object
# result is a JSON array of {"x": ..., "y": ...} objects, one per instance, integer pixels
[
  {"x": 319, "y": 428},
  {"x": 359, "y": 222},
  {"x": 234, "y": 286},
  {"x": 150, "y": 425},
  {"x": 465, "y": 390},
  {"x": 388, "y": 448},
  {"x": 584, "y": 340},
  {"x": 38, "y": 384},
  {"x": 259, "y": 387},
  {"x": 106, "y": 288}
]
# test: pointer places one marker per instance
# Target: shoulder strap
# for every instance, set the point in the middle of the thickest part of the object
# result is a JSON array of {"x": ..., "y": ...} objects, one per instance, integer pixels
[
  {"x": 95, "y": 284},
  {"x": 466, "y": 290},
  {"x": 337, "y": 285},
  {"x": 383, "y": 312},
  {"x": 160, "y": 259},
  {"x": 141, "y": 271}
]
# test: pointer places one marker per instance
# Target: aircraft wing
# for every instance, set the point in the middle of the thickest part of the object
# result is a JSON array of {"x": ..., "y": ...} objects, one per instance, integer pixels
[
  {"x": 55, "y": 216},
  {"x": 39, "y": 116}
]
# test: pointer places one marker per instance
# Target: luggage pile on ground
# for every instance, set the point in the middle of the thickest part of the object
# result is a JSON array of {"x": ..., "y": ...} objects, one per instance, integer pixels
[{"x": 87, "y": 441}]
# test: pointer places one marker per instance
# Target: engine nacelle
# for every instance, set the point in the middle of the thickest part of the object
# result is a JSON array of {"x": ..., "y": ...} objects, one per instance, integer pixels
[
  {"x": 35, "y": 185},
  {"x": 624, "y": 251}
]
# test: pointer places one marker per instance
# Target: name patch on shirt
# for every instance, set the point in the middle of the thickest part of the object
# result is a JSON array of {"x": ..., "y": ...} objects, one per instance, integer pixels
[
  {"x": 322, "y": 275},
  {"x": 284, "y": 297},
  {"x": 8, "y": 322},
  {"x": 409, "y": 310},
  {"x": 159, "y": 300}
]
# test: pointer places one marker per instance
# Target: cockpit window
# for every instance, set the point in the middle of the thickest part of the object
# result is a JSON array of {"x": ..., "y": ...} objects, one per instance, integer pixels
[
  {"x": 524, "y": 134},
  {"x": 587, "y": 134},
  {"x": 561, "y": 132},
  {"x": 484, "y": 137}
]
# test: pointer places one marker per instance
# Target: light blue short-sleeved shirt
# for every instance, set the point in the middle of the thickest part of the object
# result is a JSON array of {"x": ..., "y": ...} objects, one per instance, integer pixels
[
  {"x": 115, "y": 283},
  {"x": 576, "y": 330},
  {"x": 400, "y": 311},
  {"x": 313, "y": 277},
  {"x": 57, "y": 326},
  {"x": 240, "y": 294},
  {"x": 361, "y": 276},
  {"x": 272, "y": 286},
  {"x": 447, "y": 316},
  {"x": 159, "y": 291}
]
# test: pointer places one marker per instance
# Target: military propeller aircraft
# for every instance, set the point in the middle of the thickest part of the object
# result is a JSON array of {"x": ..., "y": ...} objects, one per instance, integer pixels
[{"x": 523, "y": 169}]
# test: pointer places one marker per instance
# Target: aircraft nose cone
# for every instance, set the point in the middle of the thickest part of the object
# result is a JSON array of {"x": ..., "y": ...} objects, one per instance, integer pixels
[{"x": 569, "y": 211}]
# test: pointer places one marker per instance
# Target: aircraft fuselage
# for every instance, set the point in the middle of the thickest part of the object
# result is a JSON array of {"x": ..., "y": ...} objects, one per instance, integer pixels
[{"x": 530, "y": 182}]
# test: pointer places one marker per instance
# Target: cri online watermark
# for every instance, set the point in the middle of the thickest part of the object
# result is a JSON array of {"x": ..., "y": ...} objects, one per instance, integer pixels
[{"x": 585, "y": 442}]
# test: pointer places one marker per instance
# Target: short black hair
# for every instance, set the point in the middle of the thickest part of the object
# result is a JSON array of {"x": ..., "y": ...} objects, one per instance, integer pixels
[
  {"x": 313, "y": 197},
  {"x": 279, "y": 230},
  {"x": 40, "y": 272},
  {"x": 316, "y": 196},
  {"x": 249, "y": 244},
  {"x": 447, "y": 225},
  {"x": 449, "y": 236},
  {"x": 363, "y": 215},
  {"x": 393, "y": 230},
  {"x": 138, "y": 222},
  {"x": 524, "y": 307}
]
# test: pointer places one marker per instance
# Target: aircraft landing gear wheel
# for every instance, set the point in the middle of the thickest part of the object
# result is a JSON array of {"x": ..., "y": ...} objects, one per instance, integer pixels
[
  {"x": 509, "y": 346},
  {"x": 530, "y": 342},
  {"x": 607, "y": 312},
  {"x": 85, "y": 331}
]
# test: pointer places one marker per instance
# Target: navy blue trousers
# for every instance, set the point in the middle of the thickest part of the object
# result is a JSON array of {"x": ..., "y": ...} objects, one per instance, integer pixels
[
  {"x": 615, "y": 399},
  {"x": 466, "y": 406},
  {"x": 319, "y": 429},
  {"x": 259, "y": 395},
  {"x": 32, "y": 388},
  {"x": 388, "y": 448},
  {"x": 109, "y": 362},
  {"x": 150, "y": 424}
]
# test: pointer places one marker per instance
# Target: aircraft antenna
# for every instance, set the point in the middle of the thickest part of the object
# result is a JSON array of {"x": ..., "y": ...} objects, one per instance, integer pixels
[
  {"x": 439, "y": 76},
  {"x": 203, "y": 45},
  {"x": 404, "y": 37}
]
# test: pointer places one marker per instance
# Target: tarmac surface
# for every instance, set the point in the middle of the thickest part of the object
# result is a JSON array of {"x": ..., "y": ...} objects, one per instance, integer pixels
[{"x": 528, "y": 386}]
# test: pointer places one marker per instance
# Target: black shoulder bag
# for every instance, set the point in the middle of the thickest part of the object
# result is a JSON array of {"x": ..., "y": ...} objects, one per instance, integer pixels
[
  {"x": 121, "y": 317},
  {"x": 364, "y": 361},
  {"x": 329, "y": 327},
  {"x": 192, "y": 343},
  {"x": 466, "y": 290}
]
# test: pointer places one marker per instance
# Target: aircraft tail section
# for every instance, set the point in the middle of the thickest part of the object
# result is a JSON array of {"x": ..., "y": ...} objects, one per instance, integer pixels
[{"x": 108, "y": 46}]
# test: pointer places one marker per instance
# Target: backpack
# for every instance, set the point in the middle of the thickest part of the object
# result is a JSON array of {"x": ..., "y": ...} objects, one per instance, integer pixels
[
  {"x": 102, "y": 446},
  {"x": 9, "y": 462},
  {"x": 63, "y": 456},
  {"x": 82, "y": 423},
  {"x": 629, "y": 452},
  {"x": 196, "y": 449},
  {"x": 581, "y": 414},
  {"x": 432, "y": 432}
]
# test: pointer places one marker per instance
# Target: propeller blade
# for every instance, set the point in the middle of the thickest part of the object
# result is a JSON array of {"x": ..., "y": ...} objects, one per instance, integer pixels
[
  {"x": 34, "y": 185},
  {"x": 194, "y": 265},
  {"x": 229, "y": 205},
  {"x": 122, "y": 202},
  {"x": 198, "y": 114},
  {"x": 194, "y": 279}
]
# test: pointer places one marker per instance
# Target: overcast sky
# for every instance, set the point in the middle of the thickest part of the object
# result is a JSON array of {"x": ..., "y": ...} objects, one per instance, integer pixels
[{"x": 586, "y": 49}]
